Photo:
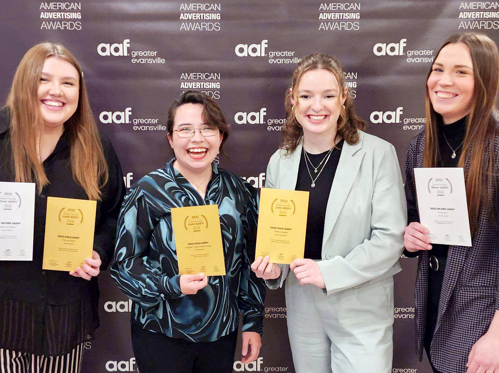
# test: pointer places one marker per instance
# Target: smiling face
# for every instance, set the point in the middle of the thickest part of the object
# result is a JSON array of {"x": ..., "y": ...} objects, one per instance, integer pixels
[
  {"x": 318, "y": 102},
  {"x": 194, "y": 154},
  {"x": 451, "y": 82},
  {"x": 58, "y": 92}
]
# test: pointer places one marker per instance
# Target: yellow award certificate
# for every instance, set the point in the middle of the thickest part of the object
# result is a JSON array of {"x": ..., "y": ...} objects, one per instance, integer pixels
[
  {"x": 282, "y": 225},
  {"x": 69, "y": 233},
  {"x": 198, "y": 240}
]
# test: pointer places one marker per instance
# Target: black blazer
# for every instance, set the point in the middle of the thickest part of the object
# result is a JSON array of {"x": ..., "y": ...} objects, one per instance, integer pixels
[{"x": 470, "y": 290}]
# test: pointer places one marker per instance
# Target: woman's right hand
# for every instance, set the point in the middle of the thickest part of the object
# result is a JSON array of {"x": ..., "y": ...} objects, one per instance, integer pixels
[
  {"x": 264, "y": 269},
  {"x": 191, "y": 284},
  {"x": 416, "y": 238}
]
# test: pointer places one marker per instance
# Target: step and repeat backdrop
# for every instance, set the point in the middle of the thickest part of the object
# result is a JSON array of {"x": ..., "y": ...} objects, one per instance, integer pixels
[{"x": 138, "y": 56}]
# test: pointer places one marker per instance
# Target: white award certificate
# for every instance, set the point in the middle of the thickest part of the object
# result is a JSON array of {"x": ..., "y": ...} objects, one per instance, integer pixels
[
  {"x": 17, "y": 217},
  {"x": 442, "y": 205}
]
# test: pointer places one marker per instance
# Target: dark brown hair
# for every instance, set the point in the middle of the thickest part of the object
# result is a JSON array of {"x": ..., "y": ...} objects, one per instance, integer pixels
[
  {"x": 212, "y": 114},
  {"x": 348, "y": 122},
  {"x": 481, "y": 127}
]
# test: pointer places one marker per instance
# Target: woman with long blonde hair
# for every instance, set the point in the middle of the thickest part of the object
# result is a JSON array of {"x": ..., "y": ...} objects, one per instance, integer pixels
[
  {"x": 457, "y": 288},
  {"x": 48, "y": 137}
]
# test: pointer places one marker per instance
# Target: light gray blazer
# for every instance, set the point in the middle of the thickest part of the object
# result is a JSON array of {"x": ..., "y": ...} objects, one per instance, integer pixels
[{"x": 365, "y": 216}]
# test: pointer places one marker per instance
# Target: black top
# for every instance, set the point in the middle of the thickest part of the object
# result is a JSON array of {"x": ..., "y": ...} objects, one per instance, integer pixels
[
  {"x": 318, "y": 197},
  {"x": 27, "y": 293},
  {"x": 454, "y": 134}
]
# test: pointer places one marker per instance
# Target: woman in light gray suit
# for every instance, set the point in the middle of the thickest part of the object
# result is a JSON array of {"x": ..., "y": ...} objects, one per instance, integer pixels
[{"x": 340, "y": 297}]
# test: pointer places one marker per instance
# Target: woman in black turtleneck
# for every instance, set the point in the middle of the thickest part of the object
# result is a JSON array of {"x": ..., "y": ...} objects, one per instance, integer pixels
[{"x": 457, "y": 288}]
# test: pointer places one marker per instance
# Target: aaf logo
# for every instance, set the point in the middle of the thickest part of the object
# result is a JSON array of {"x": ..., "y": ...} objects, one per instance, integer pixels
[
  {"x": 387, "y": 116},
  {"x": 253, "y": 117},
  {"x": 256, "y": 181},
  {"x": 123, "y": 306},
  {"x": 116, "y": 116},
  {"x": 255, "y": 366},
  {"x": 390, "y": 49},
  {"x": 121, "y": 366},
  {"x": 116, "y": 49},
  {"x": 252, "y": 50}
]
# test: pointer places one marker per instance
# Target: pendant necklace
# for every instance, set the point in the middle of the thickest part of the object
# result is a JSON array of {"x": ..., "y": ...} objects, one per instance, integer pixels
[
  {"x": 323, "y": 159},
  {"x": 451, "y": 148},
  {"x": 321, "y": 165}
]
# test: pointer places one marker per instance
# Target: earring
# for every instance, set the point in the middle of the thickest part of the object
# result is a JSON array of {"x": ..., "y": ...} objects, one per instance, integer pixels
[{"x": 343, "y": 114}]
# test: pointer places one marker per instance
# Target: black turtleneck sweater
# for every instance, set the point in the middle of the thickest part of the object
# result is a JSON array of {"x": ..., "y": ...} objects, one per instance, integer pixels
[{"x": 450, "y": 137}]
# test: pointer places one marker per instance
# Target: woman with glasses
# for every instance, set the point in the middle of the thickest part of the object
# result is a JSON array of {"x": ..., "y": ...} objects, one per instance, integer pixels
[{"x": 188, "y": 323}]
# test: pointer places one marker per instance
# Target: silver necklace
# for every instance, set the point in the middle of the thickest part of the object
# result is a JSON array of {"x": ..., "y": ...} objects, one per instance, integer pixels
[
  {"x": 323, "y": 159},
  {"x": 451, "y": 148},
  {"x": 326, "y": 158}
]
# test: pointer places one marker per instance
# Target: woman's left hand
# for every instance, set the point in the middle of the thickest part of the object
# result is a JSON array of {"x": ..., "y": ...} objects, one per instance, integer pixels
[
  {"x": 252, "y": 342},
  {"x": 307, "y": 271},
  {"x": 484, "y": 356},
  {"x": 90, "y": 269}
]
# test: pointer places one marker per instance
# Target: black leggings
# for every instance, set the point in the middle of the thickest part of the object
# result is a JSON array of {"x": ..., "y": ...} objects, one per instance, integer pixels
[
  {"x": 157, "y": 353},
  {"x": 435, "y": 281}
]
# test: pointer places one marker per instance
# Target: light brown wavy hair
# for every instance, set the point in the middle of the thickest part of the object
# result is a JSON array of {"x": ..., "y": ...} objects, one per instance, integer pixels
[
  {"x": 88, "y": 164},
  {"x": 348, "y": 122},
  {"x": 481, "y": 127}
]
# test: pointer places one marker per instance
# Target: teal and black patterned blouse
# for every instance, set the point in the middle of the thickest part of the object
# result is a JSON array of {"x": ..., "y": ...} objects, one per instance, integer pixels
[{"x": 145, "y": 263}]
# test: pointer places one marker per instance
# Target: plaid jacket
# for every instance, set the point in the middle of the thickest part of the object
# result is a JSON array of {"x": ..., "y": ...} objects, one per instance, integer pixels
[{"x": 470, "y": 290}]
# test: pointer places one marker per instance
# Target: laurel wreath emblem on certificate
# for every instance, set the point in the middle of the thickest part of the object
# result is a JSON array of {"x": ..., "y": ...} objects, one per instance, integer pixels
[
  {"x": 196, "y": 223},
  {"x": 283, "y": 207},
  {"x": 10, "y": 201},
  {"x": 70, "y": 216},
  {"x": 440, "y": 187}
]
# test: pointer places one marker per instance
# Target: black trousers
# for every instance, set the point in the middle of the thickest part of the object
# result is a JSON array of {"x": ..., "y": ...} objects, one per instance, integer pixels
[
  {"x": 435, "y": 281},
  {"x": 157, "y": 353}
]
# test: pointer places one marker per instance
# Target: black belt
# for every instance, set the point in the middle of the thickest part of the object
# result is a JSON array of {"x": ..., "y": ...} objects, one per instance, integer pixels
[{"x": 437, "y": 263}]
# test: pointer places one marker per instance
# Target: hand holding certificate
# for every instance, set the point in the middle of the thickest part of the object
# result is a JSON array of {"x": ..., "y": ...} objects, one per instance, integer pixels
[
  {"x": 282, "y": 225},
  {"x": 69, "y": 233},
  {"x": 17, "y": 216},
  {"x": 198, "y": 240},
  {"x": 442, "y": 205}
]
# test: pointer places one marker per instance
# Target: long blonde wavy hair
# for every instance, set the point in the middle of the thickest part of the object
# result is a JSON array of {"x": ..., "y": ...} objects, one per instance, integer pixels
[{"x": 88, "y": 164}]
